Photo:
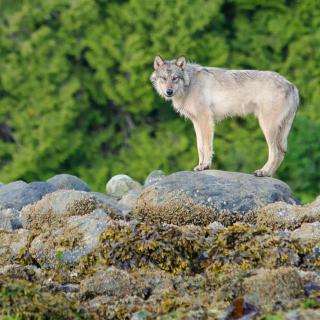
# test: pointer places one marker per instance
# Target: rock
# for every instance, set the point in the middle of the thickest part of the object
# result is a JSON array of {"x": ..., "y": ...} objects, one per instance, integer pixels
[
  {"x": 13, "y": 246},
  {"x": 309, "y": 277},
  {"x": 129, "y": 199},
  {"x": 307, "y": 314},
  {"x": 141, "y": 315},
  {"x": 311, "y": 288},
  {"x": 132, "y": 244},
  {"x": 78, "y": 236},
  {"x": 109, "y": 307},
  {"x": 213, "y": 195},
  {"x": 154, "y": 177},
  {"x": 152, "y": 285},
  {"x": 121, "y": 184},
  {"x": 287, "y": 216},
  {"x": 54, "y": 286},
  {"x": 64, "y": 203},
  {"x": 18, "y": 194},
  {"x": 269, "y": 287},
  {"x": 112, "y": 282},
  {"x": 21, "y": 299},
  {"x": 239, "y": 309},
  {"x": 9, "y": 219},
  {"x": 68, "y": 182},
  {"x": 215, "y": 227},
  {"x": 1, "y": 185},
  {"x": 111, "y": 205},
  {"x": 198, "y": 314},
  {"x": 17, "y": 271},
  {"x": 307, "y": 233}
]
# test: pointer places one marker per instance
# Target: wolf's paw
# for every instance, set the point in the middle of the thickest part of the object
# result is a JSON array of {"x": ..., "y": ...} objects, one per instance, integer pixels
[
  {"x": 201, "y": 167},
  {"x": 262, "y": 173}
]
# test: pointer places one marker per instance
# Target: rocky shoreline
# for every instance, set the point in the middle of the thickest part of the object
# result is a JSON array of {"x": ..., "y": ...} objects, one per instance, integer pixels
[{"x": 212, "y": 245}]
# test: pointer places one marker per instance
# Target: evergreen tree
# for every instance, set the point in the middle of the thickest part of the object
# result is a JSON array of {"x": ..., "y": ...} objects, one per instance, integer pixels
[{"x": 75, "y": 94}]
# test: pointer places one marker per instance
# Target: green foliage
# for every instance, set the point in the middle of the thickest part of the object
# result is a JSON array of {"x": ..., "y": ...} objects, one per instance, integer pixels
[
  {"x": 75, "y": 94},
  {"x": 59, "y": 255},
  {"x": 278, "y": 316},
  {"x": 309, "y": 304}
]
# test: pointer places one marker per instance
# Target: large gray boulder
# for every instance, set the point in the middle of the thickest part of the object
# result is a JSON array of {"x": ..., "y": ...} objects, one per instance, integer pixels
[
  {"x": 69, "y": 182},
  {"x": 18, "y": 194},
  {"x": 204, "y": 197}
]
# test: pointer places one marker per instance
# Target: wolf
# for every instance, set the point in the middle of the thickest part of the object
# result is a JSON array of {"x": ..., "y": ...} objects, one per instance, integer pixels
[{"x": 206, "y": 95}]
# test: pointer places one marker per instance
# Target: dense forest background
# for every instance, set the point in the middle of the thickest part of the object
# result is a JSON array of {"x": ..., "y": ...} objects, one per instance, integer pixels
[{"x": 75, "y": 94}]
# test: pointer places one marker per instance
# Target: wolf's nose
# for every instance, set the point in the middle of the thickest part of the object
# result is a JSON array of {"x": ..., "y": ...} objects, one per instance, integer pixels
[{"x": 169, "y": 92}]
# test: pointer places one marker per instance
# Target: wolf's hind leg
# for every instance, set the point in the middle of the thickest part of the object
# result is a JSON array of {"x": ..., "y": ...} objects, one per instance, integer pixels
[
  {"x": 276, "y": 134},
  {"x": 204, "y": 131}
]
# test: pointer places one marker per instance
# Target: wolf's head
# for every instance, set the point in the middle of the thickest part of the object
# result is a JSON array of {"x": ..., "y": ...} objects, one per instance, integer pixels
[{"x": 169, "y": 77}]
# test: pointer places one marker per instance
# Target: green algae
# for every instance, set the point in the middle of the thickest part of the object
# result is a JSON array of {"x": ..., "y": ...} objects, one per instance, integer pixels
[
  {"x": 19, "y": 299},
  {"x": 241, "y": 248},
  {"x": 170, "y": 248}
]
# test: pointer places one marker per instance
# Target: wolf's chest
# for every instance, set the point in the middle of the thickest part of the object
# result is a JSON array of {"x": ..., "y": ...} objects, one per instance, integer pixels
[{"x": 183, "y": 110}]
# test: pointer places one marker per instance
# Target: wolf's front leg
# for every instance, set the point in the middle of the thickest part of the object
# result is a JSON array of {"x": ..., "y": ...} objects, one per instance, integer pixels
[{"x": 203, "y": 127}]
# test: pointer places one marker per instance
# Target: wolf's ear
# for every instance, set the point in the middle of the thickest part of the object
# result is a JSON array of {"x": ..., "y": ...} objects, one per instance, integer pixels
[
  {"x": 181, "y": 62},
  {"x": 158, "y": 62}
]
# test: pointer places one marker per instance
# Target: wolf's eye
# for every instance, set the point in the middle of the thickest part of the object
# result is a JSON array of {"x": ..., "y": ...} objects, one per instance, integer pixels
[
  {"x": 174, "y": 78},
  {"x": 164, "y": 78}
]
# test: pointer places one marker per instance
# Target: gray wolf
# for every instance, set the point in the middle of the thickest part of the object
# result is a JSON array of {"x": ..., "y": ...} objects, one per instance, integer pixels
[{"x": 206, "y": 95}]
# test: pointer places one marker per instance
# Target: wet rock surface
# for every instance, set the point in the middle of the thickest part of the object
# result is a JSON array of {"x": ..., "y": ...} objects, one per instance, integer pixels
[
  {"x": 87, "y": 255},
  {"x": 212, "y": 195}
]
